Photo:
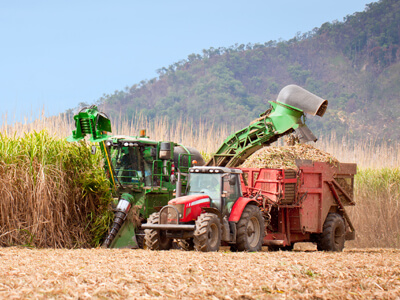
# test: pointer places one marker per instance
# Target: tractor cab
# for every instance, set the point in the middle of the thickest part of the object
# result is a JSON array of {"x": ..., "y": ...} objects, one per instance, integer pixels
[{"x": 221, "y": 185}]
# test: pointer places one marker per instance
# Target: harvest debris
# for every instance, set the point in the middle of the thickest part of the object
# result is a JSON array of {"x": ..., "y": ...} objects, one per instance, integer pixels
[{"x": 122, "y": 273}]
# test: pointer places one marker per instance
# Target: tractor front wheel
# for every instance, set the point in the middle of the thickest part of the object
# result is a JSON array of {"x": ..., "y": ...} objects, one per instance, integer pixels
[
  {"x": 207, "y": 235},
  {"x": 250, "y": 230},
  {"x": 140, "y": 238},
  {"x": 156, "y": 239},
  {"x": 333, "y": 235}
]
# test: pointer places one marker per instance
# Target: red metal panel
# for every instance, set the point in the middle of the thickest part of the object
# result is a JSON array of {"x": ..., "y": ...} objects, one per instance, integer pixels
[
  {"x": 310, "y": 213},
  {"x": 312, "y": 180},
  {"x": 270, "y": 182},
  {"x": 238, "y": 207},
  {"x": 312, "y": 184}
]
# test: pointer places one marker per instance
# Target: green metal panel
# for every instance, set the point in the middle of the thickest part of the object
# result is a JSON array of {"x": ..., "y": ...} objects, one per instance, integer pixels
[
  {"x": 126, "y": 237},
  {"x": 153, "y": 200},
  {"x": 284, "y": 117}
]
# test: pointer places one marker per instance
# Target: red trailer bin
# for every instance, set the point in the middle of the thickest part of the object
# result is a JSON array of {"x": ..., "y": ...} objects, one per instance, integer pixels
[{"x": 303, "y": 205}]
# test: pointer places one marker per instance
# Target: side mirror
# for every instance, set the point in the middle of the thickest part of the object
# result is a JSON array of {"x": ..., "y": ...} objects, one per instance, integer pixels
[
  {"x": 232, "y": 180},
  {"x": 94, "y": 149}
]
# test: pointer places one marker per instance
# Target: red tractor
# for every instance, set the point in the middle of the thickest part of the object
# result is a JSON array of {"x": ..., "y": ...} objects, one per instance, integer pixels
[{"x": 213, "y": 211}]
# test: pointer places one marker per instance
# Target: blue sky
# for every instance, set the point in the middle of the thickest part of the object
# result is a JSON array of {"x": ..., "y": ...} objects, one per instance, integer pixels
[{"x": 56, "y": 54}]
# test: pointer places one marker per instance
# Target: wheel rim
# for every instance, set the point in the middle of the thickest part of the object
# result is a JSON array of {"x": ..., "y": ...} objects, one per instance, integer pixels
[
  {"x": 253, "y": 232},
  {"x": 213, "y": 235}
]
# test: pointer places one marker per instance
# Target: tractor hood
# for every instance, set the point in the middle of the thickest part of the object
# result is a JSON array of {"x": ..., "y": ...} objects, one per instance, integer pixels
[{"x": 190, "y": 199}]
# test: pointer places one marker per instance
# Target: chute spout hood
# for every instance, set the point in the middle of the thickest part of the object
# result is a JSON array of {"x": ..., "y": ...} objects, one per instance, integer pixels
[{"x": 300, "y": 98}]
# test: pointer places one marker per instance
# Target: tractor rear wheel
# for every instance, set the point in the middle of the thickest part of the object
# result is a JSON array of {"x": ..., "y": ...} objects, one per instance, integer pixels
[
  {"x": 207, "y": 235},
  {"x": 250, "y": 230},
  {"x": 156, "y": 239},
  {"x": 333, "y": 235}
]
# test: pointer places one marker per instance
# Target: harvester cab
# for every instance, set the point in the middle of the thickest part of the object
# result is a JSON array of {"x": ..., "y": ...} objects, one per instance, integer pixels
[{"x": 213, "y": 211}]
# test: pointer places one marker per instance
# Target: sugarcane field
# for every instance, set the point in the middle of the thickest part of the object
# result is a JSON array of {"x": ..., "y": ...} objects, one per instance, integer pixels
[{"x": 264, "y": 212}]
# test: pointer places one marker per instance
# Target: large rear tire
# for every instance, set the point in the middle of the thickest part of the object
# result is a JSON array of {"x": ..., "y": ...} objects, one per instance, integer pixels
[
  {"x": 207, "y": 235},
  {"x": 332, "y": 237},
  {"x": 250, "y": 230},
  {"x": 156, "y": 239}
]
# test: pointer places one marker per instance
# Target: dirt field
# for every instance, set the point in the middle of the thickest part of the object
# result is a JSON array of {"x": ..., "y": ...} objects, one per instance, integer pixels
[{"x": 104, "y": 274}]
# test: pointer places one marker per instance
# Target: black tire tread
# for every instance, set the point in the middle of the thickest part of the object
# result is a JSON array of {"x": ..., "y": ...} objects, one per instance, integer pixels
[
  {"x": 241, "y": 239},
  {"x": 326, "y": 240},
  {"x": 200, "y": 238},
  {"x": 152, "y": 237}
]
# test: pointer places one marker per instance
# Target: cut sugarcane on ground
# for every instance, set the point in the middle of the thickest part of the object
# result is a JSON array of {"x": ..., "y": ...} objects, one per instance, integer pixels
[
  {"x": 284, "y": 157},
  {"x": 175, "y": 274}
]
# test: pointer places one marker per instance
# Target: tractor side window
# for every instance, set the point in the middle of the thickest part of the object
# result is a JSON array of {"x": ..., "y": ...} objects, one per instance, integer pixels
[{"x": 231, "y": 189}]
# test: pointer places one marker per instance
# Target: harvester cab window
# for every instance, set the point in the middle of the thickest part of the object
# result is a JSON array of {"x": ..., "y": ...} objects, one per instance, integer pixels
[
  {"x": 205, "y": 183},
  {"x": 147, "y": 166},
  {"x": 129, "y": 166}
]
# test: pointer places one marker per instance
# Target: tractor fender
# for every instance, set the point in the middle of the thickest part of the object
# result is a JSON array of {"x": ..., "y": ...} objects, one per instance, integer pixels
[
  {"x": 238, "y": 208},
  {"x": 213, "y": 210}
]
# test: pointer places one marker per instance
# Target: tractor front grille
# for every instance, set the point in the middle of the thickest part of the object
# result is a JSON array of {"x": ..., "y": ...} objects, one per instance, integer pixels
[{"x": 171, "y": 214}]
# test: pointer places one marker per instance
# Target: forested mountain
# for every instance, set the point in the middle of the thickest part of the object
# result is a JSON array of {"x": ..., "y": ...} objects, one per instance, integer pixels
[{"x": 355, "y": 64}]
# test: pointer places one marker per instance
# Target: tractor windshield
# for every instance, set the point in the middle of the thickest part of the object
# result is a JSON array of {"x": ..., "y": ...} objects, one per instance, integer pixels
[
  {"x": 206, "y": 183},
  {"x": 129, "y": 166}
]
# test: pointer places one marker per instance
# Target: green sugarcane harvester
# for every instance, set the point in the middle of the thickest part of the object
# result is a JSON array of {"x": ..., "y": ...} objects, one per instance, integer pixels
[{"x": 142, "y": 171}]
